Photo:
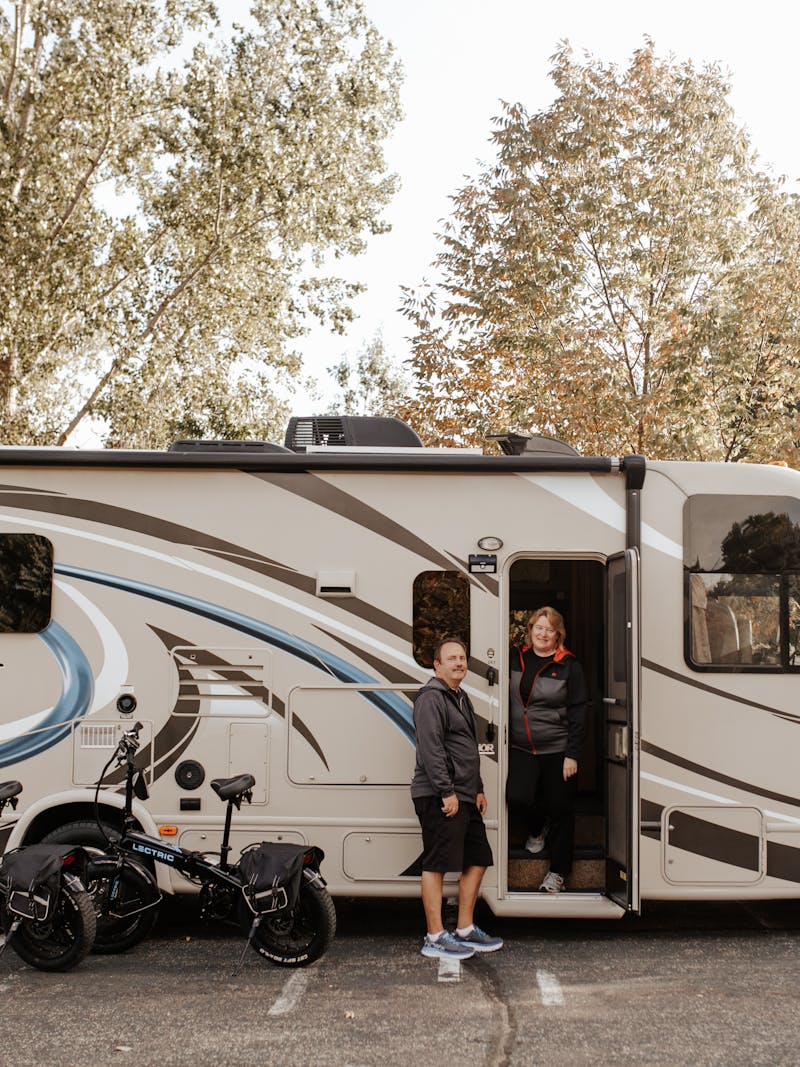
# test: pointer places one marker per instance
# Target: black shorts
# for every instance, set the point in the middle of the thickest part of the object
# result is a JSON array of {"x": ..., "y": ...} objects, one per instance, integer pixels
[{"x": 455, "y": 843}]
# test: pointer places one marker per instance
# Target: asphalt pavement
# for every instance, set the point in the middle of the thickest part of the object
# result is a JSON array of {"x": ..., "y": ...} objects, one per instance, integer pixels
[{"x": 699, "y": 985}]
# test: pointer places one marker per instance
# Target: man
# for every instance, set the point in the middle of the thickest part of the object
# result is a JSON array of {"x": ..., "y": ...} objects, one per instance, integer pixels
[{"x": 448, "y": 797}]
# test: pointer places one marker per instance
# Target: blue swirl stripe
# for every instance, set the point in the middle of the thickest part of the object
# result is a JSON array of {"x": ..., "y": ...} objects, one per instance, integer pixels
[
  {"x": 75, "y": 700},
  {"x": 389, "y": 704}
]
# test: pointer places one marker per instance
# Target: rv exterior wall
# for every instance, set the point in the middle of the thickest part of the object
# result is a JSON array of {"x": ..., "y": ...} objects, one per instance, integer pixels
[{"x": 197, "y": 589}]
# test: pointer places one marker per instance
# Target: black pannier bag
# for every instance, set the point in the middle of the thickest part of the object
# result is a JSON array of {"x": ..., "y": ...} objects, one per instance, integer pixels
[
  {"x": 29, "y": 878},
  {"x": 271, "y": 874}
]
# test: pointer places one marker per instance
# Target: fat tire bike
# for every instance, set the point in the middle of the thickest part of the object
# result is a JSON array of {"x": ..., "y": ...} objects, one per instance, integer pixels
[
  {"x": 46, "y": 914},
  {"x": 275, "y": 892}
]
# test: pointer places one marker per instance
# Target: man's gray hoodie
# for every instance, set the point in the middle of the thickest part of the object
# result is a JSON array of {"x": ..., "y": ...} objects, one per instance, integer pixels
[{"x": 447, "y": 744}]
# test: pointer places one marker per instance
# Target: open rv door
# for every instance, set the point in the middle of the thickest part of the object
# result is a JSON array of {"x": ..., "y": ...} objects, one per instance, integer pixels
[{"x": 621, "y": 704}]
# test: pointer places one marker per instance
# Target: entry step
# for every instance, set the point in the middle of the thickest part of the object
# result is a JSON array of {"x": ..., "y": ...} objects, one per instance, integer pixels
[{"x": 526, "y": 872}]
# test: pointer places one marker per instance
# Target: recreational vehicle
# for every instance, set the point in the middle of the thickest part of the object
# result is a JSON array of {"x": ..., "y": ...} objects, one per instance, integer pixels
[{"x": 272, "y": 609}]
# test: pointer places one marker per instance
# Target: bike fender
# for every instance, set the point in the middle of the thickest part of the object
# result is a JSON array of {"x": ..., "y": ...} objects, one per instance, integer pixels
[
  {"x": 102, "y": 866},
  {"x": 73, "y": 882},
  {"x": 313, "y": 874}
]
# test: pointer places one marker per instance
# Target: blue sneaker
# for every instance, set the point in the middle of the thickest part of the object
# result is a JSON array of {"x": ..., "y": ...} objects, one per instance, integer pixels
[
  {"x": 448, "y": 947},
  {"x": 479, "y": 940}
]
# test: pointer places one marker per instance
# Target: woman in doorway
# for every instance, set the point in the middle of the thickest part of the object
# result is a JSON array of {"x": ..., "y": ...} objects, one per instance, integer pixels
[{"x": 548, "y": 725}]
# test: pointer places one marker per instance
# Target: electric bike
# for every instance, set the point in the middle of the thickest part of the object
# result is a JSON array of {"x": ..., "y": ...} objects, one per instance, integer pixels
[
  {"x": 275, "y": 891},
  {"x": 46, "y": 914}
]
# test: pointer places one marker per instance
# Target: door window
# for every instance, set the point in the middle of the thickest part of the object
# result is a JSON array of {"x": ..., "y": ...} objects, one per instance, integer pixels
[{"x": 441, "y": 609}]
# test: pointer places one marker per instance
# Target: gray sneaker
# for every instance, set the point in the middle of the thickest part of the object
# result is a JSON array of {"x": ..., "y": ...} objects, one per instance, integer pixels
[
  {"x": 479, "y": 940},
  {"x": 553, "y": 883},
  {"x": 535, "y": 843},
  {"x": 446, "y": 946}
]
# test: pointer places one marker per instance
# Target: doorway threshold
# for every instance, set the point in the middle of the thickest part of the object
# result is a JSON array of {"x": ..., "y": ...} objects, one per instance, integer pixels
[{"x": 557, "y": 906}]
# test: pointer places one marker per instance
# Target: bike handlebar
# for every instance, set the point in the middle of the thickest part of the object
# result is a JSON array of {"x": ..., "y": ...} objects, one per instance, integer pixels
[{"x": 128, "y": 743}]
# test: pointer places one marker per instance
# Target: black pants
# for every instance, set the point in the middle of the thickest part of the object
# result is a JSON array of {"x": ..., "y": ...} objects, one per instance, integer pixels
[{"x": 536, "y": 786}]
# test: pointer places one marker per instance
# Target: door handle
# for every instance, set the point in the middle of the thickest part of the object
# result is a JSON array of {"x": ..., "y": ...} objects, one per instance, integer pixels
[{"x": 621, "y": 743}]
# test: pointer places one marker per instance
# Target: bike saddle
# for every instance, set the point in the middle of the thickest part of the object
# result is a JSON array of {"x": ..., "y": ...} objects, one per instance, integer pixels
[
  {"x": 225, "y": 788},
  {"x": 10, "y": 789}
]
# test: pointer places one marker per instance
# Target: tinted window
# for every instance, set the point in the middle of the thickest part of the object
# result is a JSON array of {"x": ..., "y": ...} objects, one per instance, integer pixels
[
  {"x": 741, "y": 534},
  {"x": 736, "y": 619},
  {"x": 793, "y": 619},
  {"x": 742, "y": 565},
  {"x": 26, "y": 581},
  {"x": 441, "y": 609}
]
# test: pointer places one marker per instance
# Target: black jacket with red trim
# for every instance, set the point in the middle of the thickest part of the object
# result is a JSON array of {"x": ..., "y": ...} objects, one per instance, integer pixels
[{"x": 551, "y": 716}]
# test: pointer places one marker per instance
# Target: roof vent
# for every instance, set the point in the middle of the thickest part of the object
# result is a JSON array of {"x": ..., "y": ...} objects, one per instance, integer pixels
[
  {"x": 517, "y": 444},
  {"x": 349, "y": 431},
  {"x": 225, "y": 446}
]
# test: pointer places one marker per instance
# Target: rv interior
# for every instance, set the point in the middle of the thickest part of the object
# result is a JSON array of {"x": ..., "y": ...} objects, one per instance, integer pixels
[{"x": 575, "y": 588}]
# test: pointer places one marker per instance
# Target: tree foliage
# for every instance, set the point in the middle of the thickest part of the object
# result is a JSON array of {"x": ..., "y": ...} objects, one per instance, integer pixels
[
  {"x": 249, "y": 166},
  {"x": 369, "y": 385},
  {"x": 623, "y": 276},
  {"x": 763, "y": 544},
  {"x": 26, "y": 582}
]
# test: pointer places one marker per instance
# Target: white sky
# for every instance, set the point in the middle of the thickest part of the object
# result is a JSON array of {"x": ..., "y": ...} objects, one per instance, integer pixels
[{"x": 461, "y": 57}]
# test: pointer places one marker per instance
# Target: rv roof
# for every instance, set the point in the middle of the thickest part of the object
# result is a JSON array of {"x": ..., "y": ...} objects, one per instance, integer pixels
[
  {"x": 368, "y": 460},
  {"x": 387, "y": 450}
]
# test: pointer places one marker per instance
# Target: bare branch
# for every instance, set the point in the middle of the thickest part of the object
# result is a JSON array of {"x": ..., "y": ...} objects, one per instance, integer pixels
[{"x": 81, "y": 187}]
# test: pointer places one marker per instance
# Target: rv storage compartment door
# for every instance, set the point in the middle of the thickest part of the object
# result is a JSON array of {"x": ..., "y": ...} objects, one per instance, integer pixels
[
  {"x": 713, "y": 845},
  {"x": 622, "y": 729},
  {"x": 343, "y": 733}
]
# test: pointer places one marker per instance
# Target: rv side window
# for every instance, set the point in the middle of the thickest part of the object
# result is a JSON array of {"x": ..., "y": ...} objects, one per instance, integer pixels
[
  {"x": 26, "y": 581},
  {"x": 441, "y": 609},
  {"x": 742, "y": 568}
]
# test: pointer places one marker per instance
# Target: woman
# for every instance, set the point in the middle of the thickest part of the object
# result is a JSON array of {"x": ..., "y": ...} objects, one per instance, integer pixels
[{"x": 548, "y": 725}]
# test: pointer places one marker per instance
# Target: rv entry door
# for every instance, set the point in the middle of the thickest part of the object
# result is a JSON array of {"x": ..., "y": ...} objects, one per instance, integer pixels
[{"x": 621, "y": 704}]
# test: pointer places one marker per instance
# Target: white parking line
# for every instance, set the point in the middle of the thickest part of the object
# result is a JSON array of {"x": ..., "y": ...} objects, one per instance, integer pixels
[
  {"x": 449, "y": 969},
  {"x": 549, "y": 989},
  {"x": 293, "y": 989}
]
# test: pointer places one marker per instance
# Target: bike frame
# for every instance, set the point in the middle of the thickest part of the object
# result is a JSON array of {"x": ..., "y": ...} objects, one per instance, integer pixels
[
  {"x": 191, "y": 864},
  {"x": 144, "y": 846},
  {"x": 137, "y": 845}
]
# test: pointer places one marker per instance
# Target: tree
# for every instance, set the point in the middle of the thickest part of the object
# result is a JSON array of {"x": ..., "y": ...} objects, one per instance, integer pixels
[
  {"x": 622, "y": 276},
  {"x": 371, "y": 386},
  {"x": 250, "y": 165},
  {"x": 763, "y": 543}
]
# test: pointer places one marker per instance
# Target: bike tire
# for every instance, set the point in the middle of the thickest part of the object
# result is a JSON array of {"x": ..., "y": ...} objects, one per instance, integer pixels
[
  {"x": 60, "y": 942},
  {"x": 125, "y": 898},
  {"x": 296, "y": 937},
  {"x": 82, "y": 832},
  {"x": 114, "y": 934}
]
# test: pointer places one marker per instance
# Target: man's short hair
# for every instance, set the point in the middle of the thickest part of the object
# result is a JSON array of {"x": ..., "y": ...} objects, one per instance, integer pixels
[{"x": 437, "y": 652}]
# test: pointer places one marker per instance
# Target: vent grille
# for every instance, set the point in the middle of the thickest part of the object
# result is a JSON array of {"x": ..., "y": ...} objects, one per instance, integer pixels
[
  {"x": 98, "y": 736},
  {"x": 302, "y": 433},
  {"x": 349, "y": 431},
  {"x": 236, "y": 675},
  {"x": 225, "y": 446}
]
